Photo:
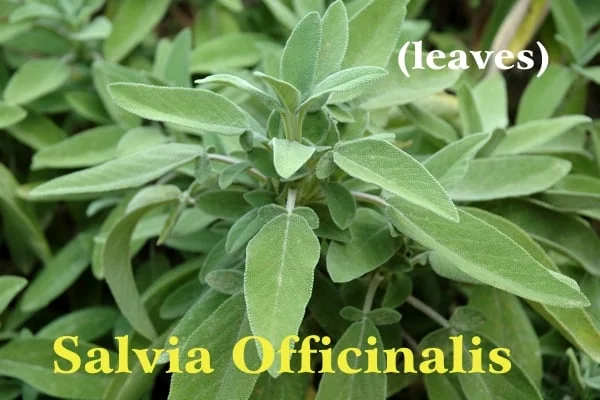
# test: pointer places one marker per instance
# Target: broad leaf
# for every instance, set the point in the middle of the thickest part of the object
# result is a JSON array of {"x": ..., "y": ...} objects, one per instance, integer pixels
[
  {"x": 193, "y": 108},
  {"x": 35, "y": 79},
  {"x": 37, "y": 131},
  {"x": 334, "y": 40},
  {"x": 88, "y": 323},
  {"x": 85, "y": 149},
  {"x": 290, "y": 156},
  {"x": 219, "y": 334},
  {"x": 374, "y": 32},
  {"x": 31, "y": 361},
  {"x": 340, "y": 202},
  {"x": 574, "y": 193},
  {"x": 280, "y": 260},
  {"x": 10, "y": 114},
  {"x": 493, "y": 258},
  {"x": 299, "y": 61},
  {"x": 133, "y": 21},
  {"x": 123, "y": 173},
  {"x": 229, "y": 51},
  {"x": 10, "y": 286},
  {"x": 379, "y": 162},
  {"x": 361, "y": 385},
  {"x": 503, "y": 177},
  {"x": 492, "y": 101},
  {"x": 116, "y": 256}
]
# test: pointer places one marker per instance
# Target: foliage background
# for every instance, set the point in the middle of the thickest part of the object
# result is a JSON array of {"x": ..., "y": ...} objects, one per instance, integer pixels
[{"x": 519, "y": 154}]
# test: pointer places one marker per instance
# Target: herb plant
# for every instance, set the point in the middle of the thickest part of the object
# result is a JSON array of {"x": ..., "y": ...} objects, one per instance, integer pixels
[{"x": 271, "y": 172}]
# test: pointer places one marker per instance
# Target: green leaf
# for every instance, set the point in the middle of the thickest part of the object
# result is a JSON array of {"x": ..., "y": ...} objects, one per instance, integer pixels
[
  {"x": 104, "y": 74},
  {"x": 528, "y": 136},
  {"x": 280, "y": 260},
  {"x": 378, "y": 162},
  {"x": 299, "y": 61},
  {"x": 370, "y": 247},
  {"x": 242, "y": 84},
  {"x": 384, "y": 316},
  {"x": 243, "y": 230},
  {"x": 181, "y": 299},
  {"x": 347, "y": 80},
  {"x": 356, "y": 386},
  {"x": 123, "y": 173},
  {"x": 219, "y": 334},
  {"x": 493, "y": 258},
  {"x": 398, "y": 89},
  {"x": 193, "y": 108},
  {"x": 88, "y": 105},
  {"x": 508, "y": 325},
  {"x": 35, "y": 79},
  {"x": 282, "y": 13},
  {"x": 116, "y": 260},
  {"x": 59, "y": 273},
  {"x": 449, "y": 165},
  {"x": 133, "y": 21},
  {"x": 177, "y": 68},
  {"x": 470, "y": 117},
  {"x": 466, "y": 318},
  {"x": 225, "y": 281},
  {"x": 443, "y": 387},
  {"x": 10, "y": 286},
  {"x": 31, "y": 361},
  {"x": 88, "y": 323},
  {"x": 430, "y": 123},
  {"x": 288, "y": 95},
  {"x": 141, "y": 138},
  {"x": 569, "y": 23},
  {"x": 20, "y": 223},
  {"x": 545, "y": 94},
  {"x": 287, "y": 386},
  {"x": 10, "y": 114},
  {"x": 231, "y": 173},
  {"x": 574, "y": 193},
  {"x": 98, "y": 29},
  {"x": 289, "y": 156},
  {"x": 228, "y": 204},
  {"x": 568, "y": 235},
  {"x": 340, "y": 202},
  {"x": 591, "y": 73},
  {"x": 334, "y": 41},
  {"x": 85, "y": 149},
  {"x": 37, "y": 131},
  {"x": 509, "y": 176},
  {"x": 492, "y": 101},
  {"x": 374, "y": 32},
  {"x": 227, "y": 52}
]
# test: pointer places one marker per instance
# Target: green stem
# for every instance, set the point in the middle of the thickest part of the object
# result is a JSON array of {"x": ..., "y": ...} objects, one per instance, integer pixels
[
  {"x": 430, "y": 312},
  {"x": 369, "y": 198},
  {"x": 371, "y": 291}
]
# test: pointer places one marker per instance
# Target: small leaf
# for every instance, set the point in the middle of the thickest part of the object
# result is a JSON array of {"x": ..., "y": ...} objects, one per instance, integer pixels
[
  {"x": 179, "y": 301},
  {"x": 384, "y": 316},
  {"x": 116, "y": 256},
  {"x": 493, "y": 258},
  {"x": 299, "y": 61},
  {"x": 133, "y": 21},
  {"x": 10, "y": 286},
  {"x": 492, "y": 100},
  {"x": 193, "y": 108},
  {"x": 470, "y": 116},
  {"x": 370, "y": 247},
  {"x": 35, "y": 79},
  {"x": 289, "y": 156},
  {"x": 361, "y": 385},
  {"x": 280, "y": 260},
  {"x": 123, "y": 173},
  {"x": 228, "y": 204},
  {"x": 340, "y": 202},
  {"x": 98, "y": 29},
  {"x": 352, "y": 314},
  {"x": 569, "y": 23},
  {"x": 218, "y": 334},
  {"x": 85, "y": 149},
  {"x": 347, "y": 80},
  {"x": 288, "y": 95},
  {"x": 467, "y": 319},
  {"x": 378, "y": 162},
  {"x": 512, "y": 176}
]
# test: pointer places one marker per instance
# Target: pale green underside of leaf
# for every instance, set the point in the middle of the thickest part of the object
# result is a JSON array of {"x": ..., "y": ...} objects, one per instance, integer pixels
[
  {"x": 385, "y": 165},
  {"x": 193, "y": 108},
  {"x": 493, "y": 258},
  {"x": 280, "y": 260},
  {"x": 123, "y": 173}
]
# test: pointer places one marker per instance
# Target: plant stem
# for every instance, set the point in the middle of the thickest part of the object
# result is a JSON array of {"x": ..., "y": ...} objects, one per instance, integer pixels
[
  {"x": 291, "y": 200},
  {"x": 430, "y": 312},
  {"x": 231, "y": 160},
  {"x": 369, "y": 198},
  {"x": 371, "y": 291}
]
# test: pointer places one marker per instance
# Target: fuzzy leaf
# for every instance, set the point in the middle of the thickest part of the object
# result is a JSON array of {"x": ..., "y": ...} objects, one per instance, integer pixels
[
  {"x": 35, "y": 79},
  {"x": 290, "y": 156},
  {"x": 10, "y": 114},
  {"x": 280, "y": 260},
  {"x": 334, "y": 40},
  {"x": 378, "y": 162},
  {"x": 340, "y": 202}
]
